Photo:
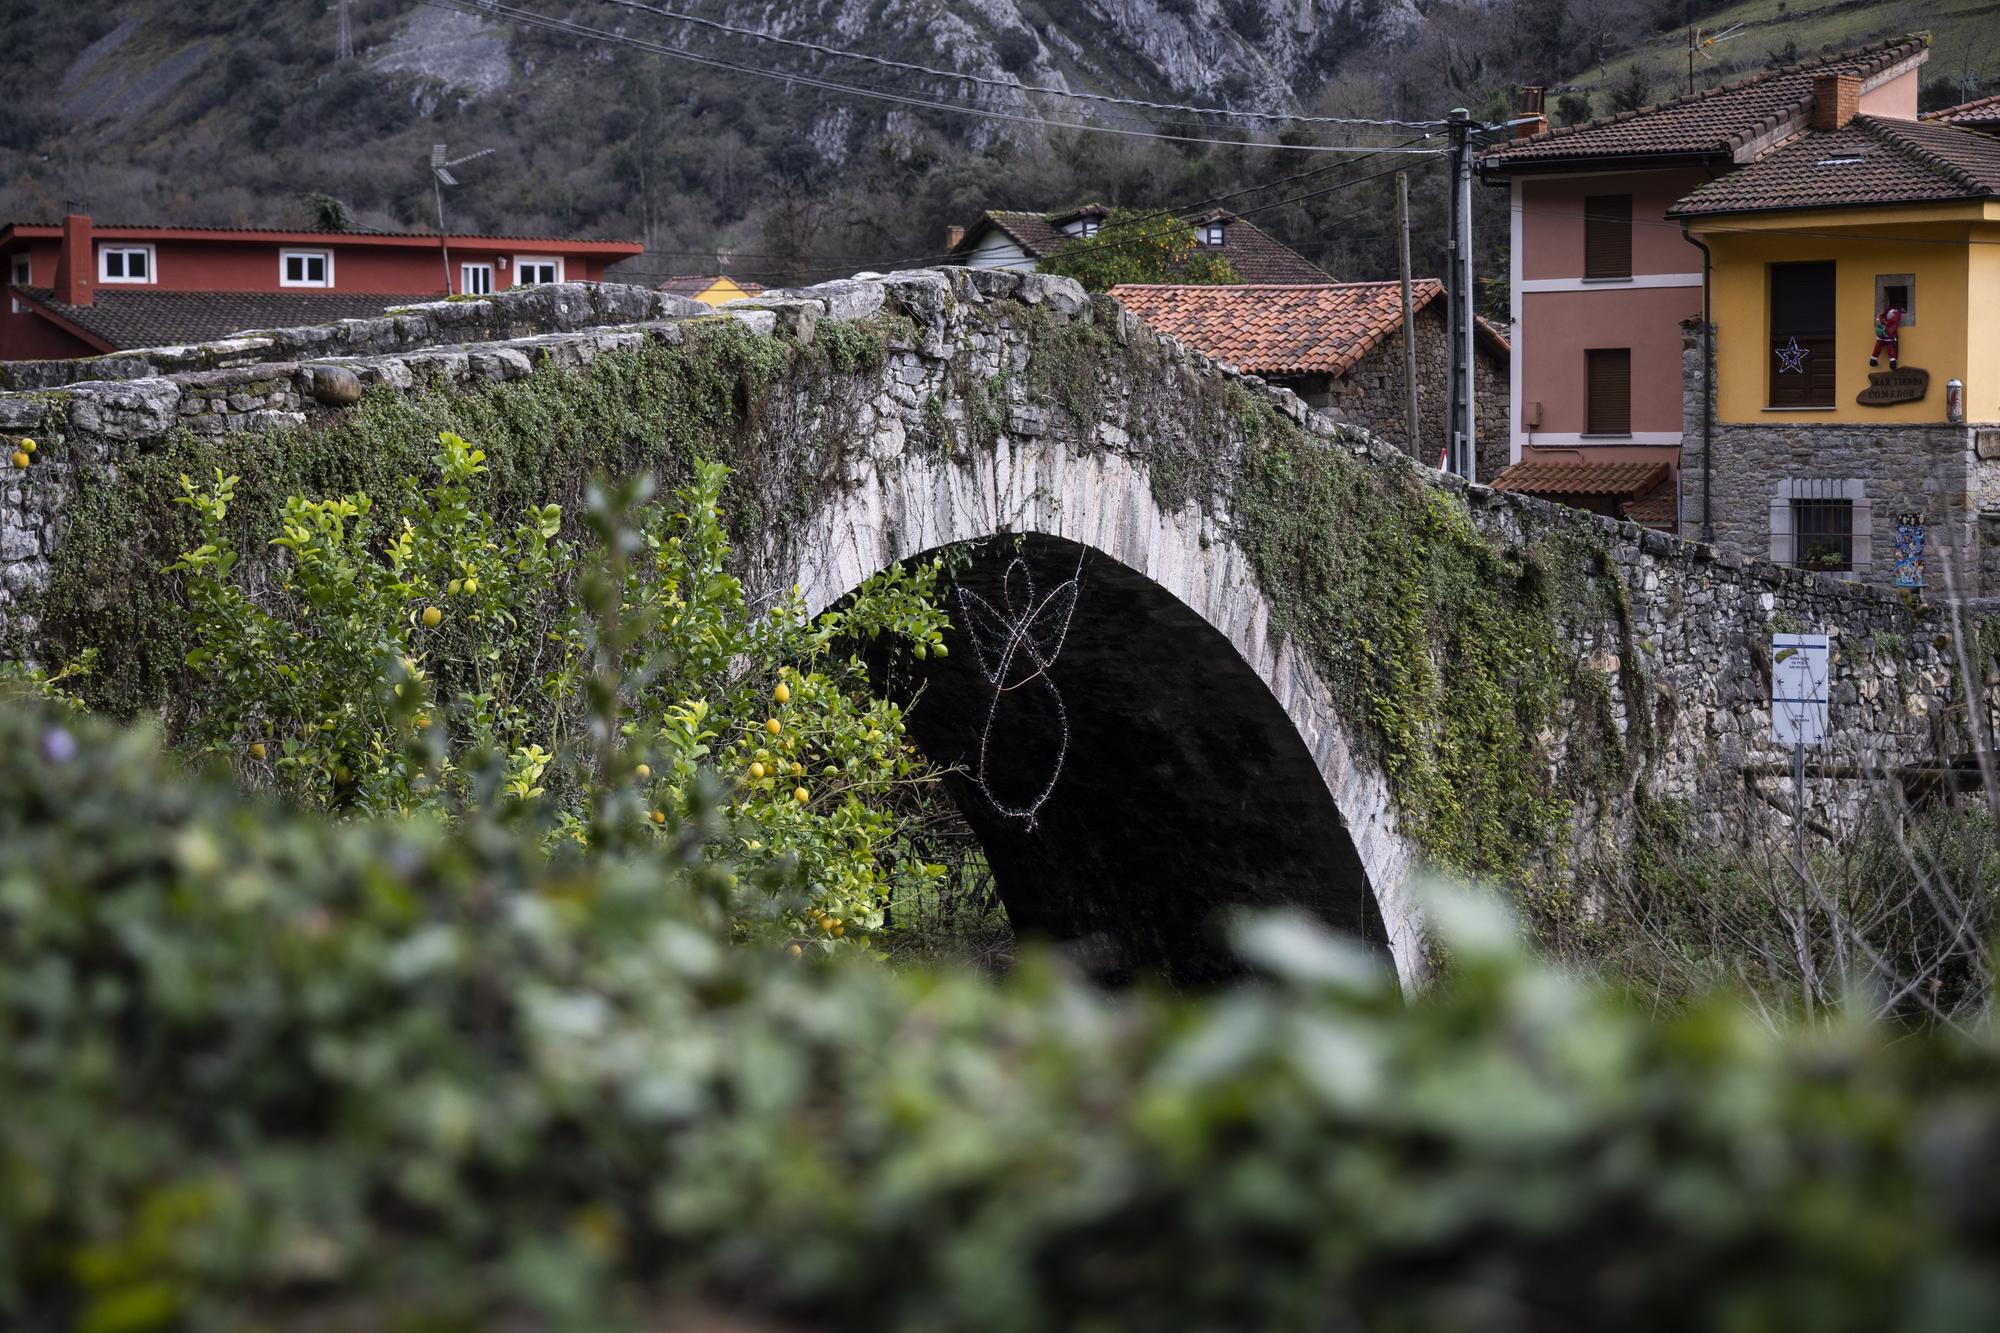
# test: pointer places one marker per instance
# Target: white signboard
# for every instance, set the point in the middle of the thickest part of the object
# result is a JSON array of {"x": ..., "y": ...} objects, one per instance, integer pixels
[{"x": 1798, "y": 688}]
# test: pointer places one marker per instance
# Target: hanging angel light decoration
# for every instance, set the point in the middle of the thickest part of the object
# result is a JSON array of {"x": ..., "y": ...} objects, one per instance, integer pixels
[{"x": 1018, "y": 642}]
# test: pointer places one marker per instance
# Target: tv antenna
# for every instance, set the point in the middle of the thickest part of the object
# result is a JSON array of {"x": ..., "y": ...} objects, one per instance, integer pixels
[
  {"x": 1698, "y": 46},
  {"x": 440, "y": 177}
]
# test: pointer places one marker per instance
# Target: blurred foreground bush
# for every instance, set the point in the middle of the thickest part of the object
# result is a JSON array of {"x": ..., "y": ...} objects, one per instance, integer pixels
[{"x": 259, "y": 1069}]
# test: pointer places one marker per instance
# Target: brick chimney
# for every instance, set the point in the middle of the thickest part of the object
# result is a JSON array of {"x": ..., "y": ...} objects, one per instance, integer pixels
[
  {"x": 1528, "y": 109},
  {"x": 76, "y": 276},
  {"x": 1836, "y": 100},
  {"x": 952, "y": 236}
]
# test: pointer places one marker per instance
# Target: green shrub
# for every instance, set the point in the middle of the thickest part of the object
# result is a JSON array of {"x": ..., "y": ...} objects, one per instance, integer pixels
[
  {"x": 263, "y": 1069},
  {"x": 427, "y": 659}
]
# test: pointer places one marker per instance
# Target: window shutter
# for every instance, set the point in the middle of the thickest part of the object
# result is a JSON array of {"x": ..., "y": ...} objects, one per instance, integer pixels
[
  {"x": 1607, "y": 236},
  {"x": 1608, "y": 409},
  {"x": 1802, "y": 335}
]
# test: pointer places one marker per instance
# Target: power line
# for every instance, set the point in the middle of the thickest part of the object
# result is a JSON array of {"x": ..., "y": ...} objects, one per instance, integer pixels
[
  {"x": 547, "y": 23},
  {"x": 1118, "y": 239},
  {"x": 1008, "y": 84}
]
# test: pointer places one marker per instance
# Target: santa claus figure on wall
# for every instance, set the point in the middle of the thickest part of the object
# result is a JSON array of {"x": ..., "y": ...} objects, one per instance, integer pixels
[{"x": 1888, "y": 336}]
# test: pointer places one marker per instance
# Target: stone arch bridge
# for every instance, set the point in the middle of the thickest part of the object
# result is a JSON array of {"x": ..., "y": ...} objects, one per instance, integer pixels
[{"x": 1212, "y": 648}]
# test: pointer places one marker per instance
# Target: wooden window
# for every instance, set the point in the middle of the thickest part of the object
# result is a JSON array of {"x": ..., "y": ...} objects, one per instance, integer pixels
[
  {"x": 20, "y": 274},
  {"x": 1607, "y": 236},
  {"x": 1802, "y": 343},
  {"x": 475, "y": 279},
  {"x": 1608, "y": 390}
]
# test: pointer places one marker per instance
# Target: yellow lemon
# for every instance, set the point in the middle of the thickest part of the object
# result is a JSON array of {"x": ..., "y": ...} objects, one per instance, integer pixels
[
  {"x": 800, "y": 795},
  {"x": 772, "y": 725},
  {"x": 940, "y": 650},
  {"x": 827, "y": 923},
  {"x": 257, "y": 751},
  {"x": 795, "y": 951},
  {"x": 756, "y": 771},
  {"x": 839, "y": 929},
  {"x": 783, "y": 694},
  {"x": 658, "y": 817},
  {"x": 471, "y": 584},
  {"x": 643, "y": 771},
  {"x": 20, "y": 459},
  {"x": 451, "y": 589},
  {"x": 798, "y": 770},
  {"x": 432, "y": 617},
  {"x": 27, "y": 446},
  {"x": 423, "y": 722}
]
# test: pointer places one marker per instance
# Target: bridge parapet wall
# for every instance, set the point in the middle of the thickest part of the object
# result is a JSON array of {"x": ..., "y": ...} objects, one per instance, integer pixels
[{"x": 922, "y": 409}]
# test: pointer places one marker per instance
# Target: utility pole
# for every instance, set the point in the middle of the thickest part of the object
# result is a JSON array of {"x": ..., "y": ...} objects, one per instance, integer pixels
[
  {"x": 343, "y": 41},
  {"x": 1460, "y": 436},
  {"x": 1409, "y": 317},
  {"x": 438, "y": 177}
]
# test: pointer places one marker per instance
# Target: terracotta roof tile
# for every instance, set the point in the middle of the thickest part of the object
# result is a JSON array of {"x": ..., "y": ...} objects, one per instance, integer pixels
[
  {"x": 1720, "y": 120},
  {"x": 1872, "y": 161},
  {"x": 129, "y": 319},
  {"x": 1982, "y": 113},
  {"x": 1657, "y": 508},
  {"x": 1279, "y": 329},
  {"x": 1627, "y": 479}
]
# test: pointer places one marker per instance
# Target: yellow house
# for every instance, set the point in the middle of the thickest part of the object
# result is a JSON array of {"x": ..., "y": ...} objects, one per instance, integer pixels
[
  {"x": 1809, "y": 246},
  {"x": 710, "y": 291},
  {"x": 1811, "y": 455}
]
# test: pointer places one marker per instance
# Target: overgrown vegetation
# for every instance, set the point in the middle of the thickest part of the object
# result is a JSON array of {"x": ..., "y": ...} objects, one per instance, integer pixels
[
  {"x": 265, "y": 1070},
  {"x": 1136, "y": 245}
]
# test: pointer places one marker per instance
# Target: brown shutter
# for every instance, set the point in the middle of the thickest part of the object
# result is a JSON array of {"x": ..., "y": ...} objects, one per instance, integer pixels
[
  {"x": 1607, "y": 236},
  {"x": 1608, "y": 409},
  {"x": 1802, "y": 314}
]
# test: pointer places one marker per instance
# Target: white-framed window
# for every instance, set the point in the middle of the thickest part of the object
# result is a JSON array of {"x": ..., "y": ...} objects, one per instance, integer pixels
[
  {"x": 1823, "y": 524},
  {"x": 126, "y": 263},
  {"x": 19, "y": 272},
  {"x": 1211, "y": 235},
  {"x": 530, "y": 270},
  {"x": 305, "y": 268},
  {"x": 475, "y": 279}
]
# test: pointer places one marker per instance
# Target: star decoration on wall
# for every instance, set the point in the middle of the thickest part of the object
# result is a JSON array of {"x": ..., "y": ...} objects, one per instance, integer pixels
[{"x": 1792, "y": 358}]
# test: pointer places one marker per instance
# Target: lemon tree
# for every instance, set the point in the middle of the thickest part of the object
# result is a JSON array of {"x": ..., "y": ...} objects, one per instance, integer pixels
[{"x": 417, "y": 656}]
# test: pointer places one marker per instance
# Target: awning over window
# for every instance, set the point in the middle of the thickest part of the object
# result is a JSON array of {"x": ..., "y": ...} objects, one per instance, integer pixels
[{"x": 1642, "y": 492}]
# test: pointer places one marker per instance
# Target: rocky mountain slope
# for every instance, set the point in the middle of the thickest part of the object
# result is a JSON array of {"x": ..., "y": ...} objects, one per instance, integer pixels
[{"x": 219, "y": 112}]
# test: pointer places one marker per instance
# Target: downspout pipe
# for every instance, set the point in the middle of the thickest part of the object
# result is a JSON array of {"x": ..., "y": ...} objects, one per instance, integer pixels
[{"x": 1707, "y": 383}]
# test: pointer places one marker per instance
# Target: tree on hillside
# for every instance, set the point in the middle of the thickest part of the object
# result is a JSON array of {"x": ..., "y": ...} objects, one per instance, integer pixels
[
  {"x": 1635, "y": 91},
  {"x": 1136, "y": 246},
  {"x": 1572, "y": 108}
]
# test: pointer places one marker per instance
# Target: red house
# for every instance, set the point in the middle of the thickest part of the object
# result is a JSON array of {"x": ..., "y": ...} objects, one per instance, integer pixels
[{"x": 80, "y": 289}]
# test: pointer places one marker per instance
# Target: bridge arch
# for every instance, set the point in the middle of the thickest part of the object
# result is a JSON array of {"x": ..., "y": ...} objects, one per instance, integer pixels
[{"x": 1202, "y": 743}]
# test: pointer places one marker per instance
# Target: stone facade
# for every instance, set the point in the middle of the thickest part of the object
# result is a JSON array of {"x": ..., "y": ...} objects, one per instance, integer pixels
[
  {"x": 1937, "y": 472},
  {"x": 907, "y": 458},
  {"x": 1371, "y": 395}
]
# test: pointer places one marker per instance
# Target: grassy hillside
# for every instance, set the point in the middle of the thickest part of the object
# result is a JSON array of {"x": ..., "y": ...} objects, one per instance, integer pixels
[{"x": 1965, "y": 37}]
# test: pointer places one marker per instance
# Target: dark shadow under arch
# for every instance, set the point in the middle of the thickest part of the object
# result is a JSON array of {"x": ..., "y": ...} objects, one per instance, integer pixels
[{"x": 1184, "y": 789}]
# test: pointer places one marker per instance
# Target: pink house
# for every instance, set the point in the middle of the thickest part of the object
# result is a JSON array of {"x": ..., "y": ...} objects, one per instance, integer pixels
[{"x": 1601, "y": 280}]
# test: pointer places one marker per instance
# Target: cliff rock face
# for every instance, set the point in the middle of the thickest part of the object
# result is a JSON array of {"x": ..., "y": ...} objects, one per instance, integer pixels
[{"x": 1249, "y": 53}]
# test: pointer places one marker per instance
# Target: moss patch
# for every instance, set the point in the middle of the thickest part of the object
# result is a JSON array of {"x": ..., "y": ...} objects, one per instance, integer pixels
[
  {"x": 651, "y": 409},
  {"x": 1447, "y": 646}
]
